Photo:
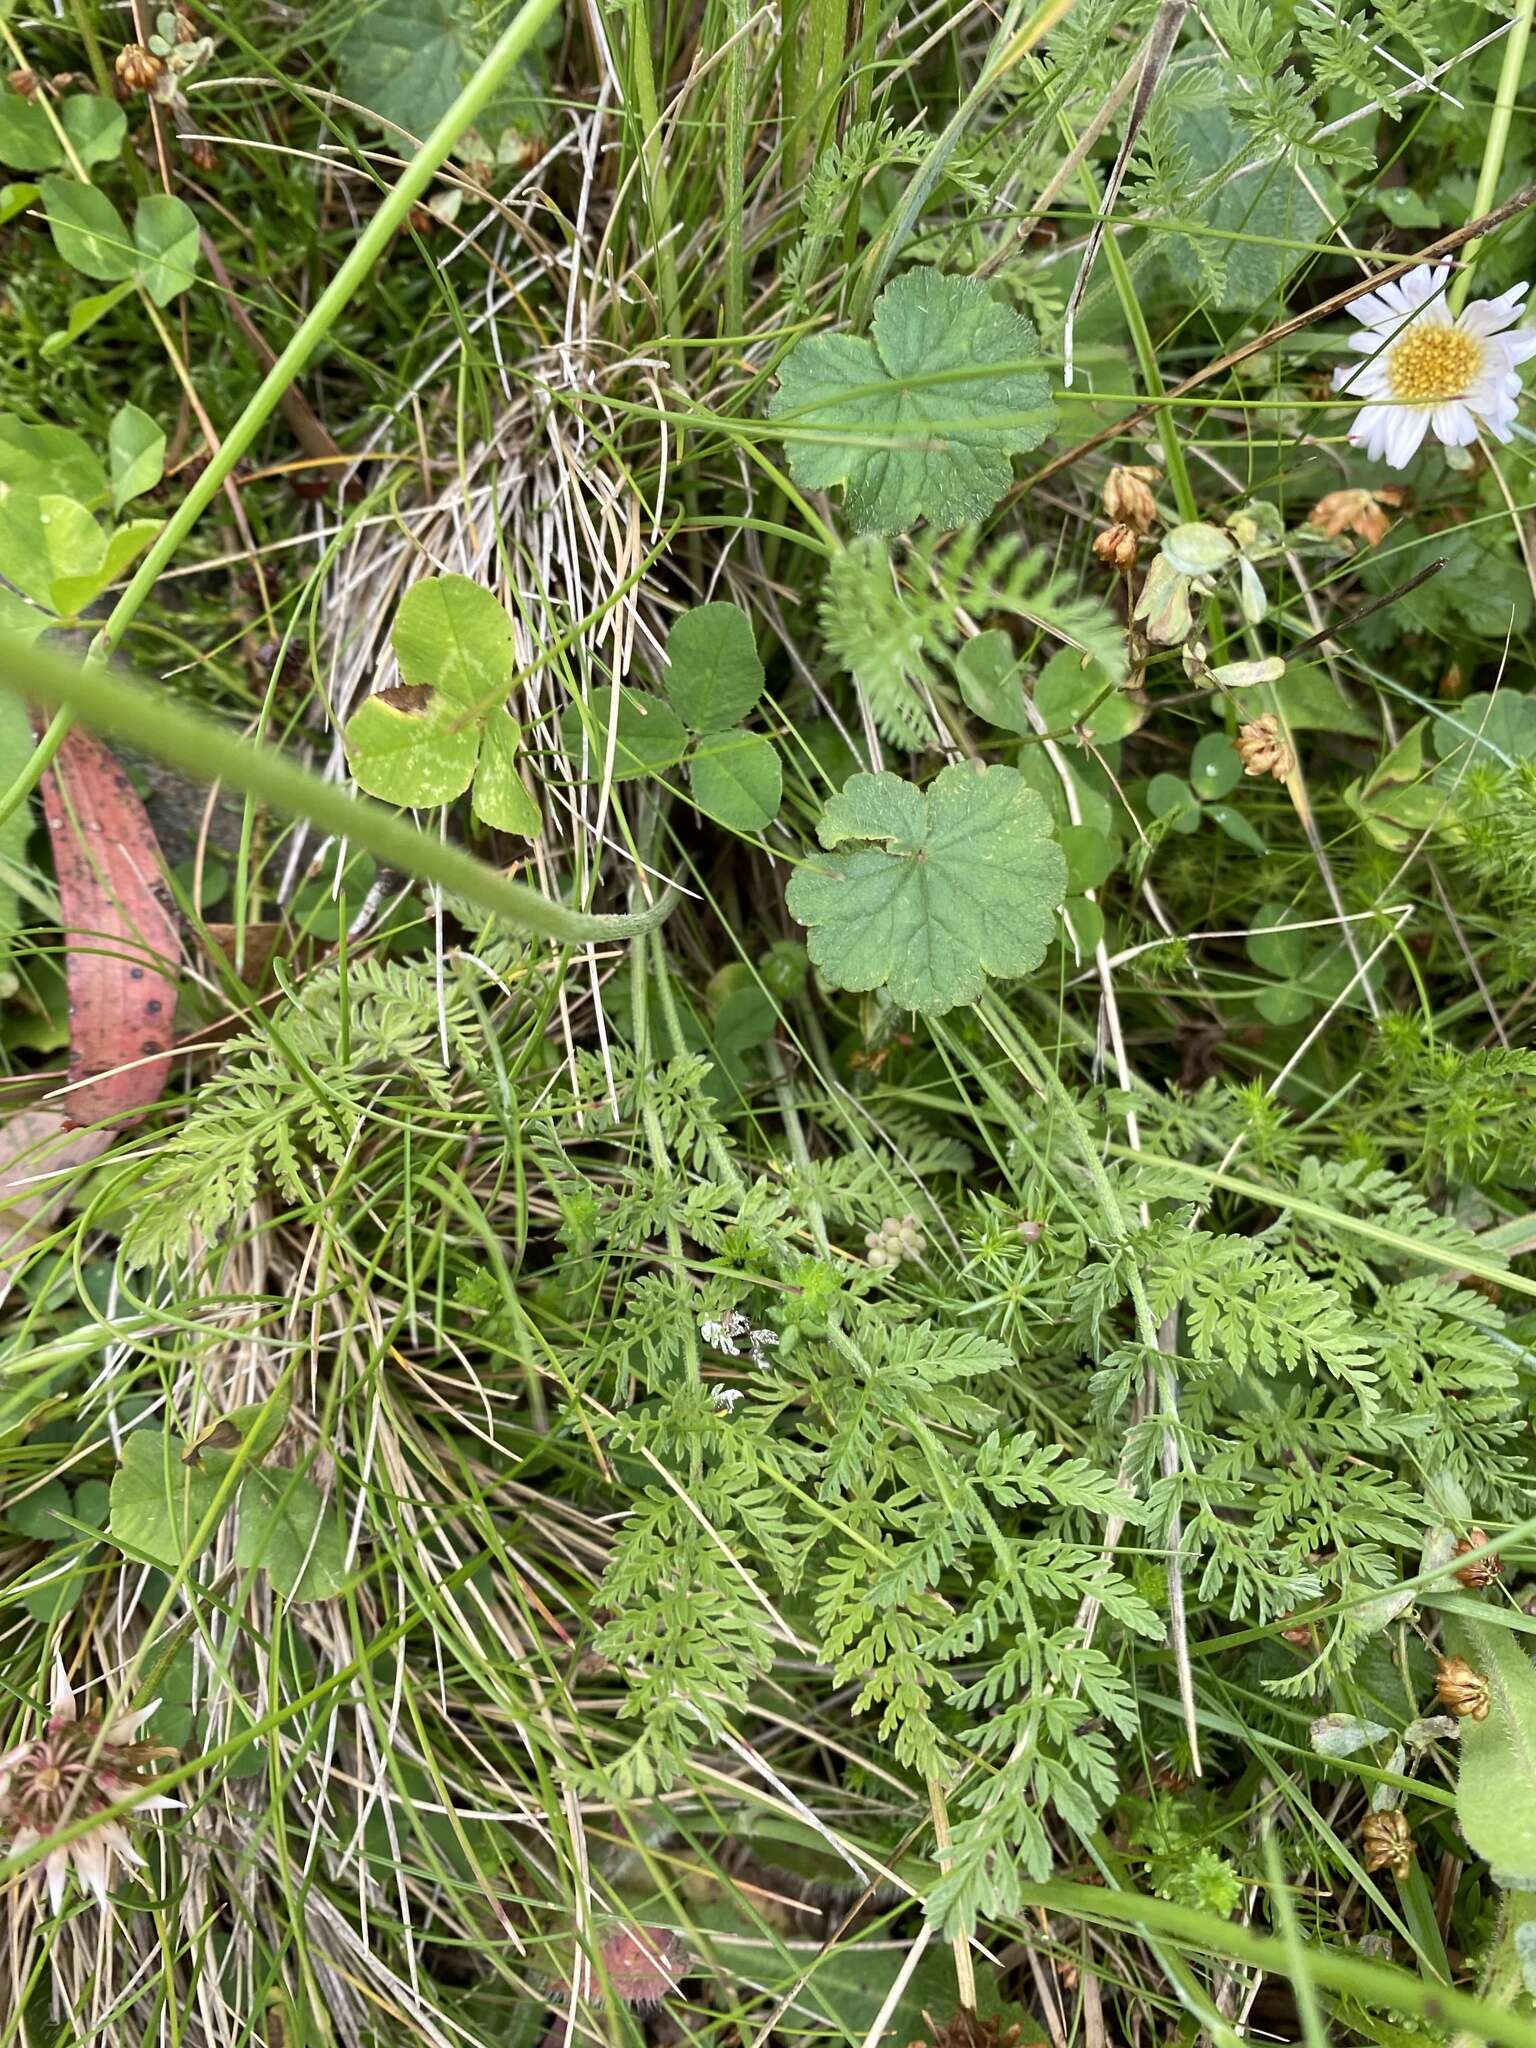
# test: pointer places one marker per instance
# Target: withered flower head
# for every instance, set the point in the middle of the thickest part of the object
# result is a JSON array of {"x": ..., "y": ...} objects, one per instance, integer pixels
[
  {"x": 1485, "y": 1570},
  {"x": 1366, "y": 513},
  {"x": 1116, "y": 546},
  {"x": 1128, "y": 498},
  {"x": 1262, "y": 748},
  {"x": 1388, "y": 1842},
  {"x": 79, "y": 1765},
  {"x": 1461, "y": 1690},
  {"x": 137, "y": 67}
]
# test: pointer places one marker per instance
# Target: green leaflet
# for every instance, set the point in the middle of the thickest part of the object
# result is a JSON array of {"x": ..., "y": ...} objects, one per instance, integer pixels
[
  {"x": 714, "y": 676},
  {"x": 1496, "y": 1785},
  {"x": 286, "y": 1530},
  {"x": 928, "y": 892},
  {"x": 445, "y": 724},
  {"x": 920, "y": 420}
]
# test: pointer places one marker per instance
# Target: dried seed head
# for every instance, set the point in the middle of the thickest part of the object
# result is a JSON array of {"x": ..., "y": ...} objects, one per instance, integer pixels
[
  {"x": 1299, "y": 1633},
  {"x": 1262, "y": 748},
  {"x": 25, "y": 82},
  {"x": 1128, "y": 498},
  {"x": 1460, "y": 1689},
  {"x": 186, "y": 27},
  {"x": 1483, "y": 1573},
  {"x": 201, "y": 154},
  {"x": 1116, "y": 547},
  {"x": 137, "y": 67},
  {"x": 1388, "y": 1842}
]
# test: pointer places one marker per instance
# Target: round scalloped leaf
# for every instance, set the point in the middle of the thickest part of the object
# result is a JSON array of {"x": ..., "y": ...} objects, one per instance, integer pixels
[
  {"x": 412, "y": 745},
  {"x": 713, "y": 674},
  {"x": 737, "y": 779},
  {"x": 920, "y": 420},
  {"x": 927, "y": 893}
]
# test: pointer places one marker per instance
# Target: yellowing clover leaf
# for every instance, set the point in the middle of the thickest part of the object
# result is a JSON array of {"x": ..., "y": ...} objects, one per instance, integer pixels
[
  {"x": 446, "y": 722},
  {"x": 920, "y": 421},
  {"x": 927, "y": 892}
]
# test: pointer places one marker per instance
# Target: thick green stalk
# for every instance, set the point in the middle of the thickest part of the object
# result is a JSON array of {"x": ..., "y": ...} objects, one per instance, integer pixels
[
  {"x": 1511, "y": 72},
  {"x": 210, "y": 752},
  {"x": 365, "y": 252}
]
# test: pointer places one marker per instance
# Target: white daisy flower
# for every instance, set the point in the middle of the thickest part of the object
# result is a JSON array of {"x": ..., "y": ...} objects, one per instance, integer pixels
[
  {"x": 1427, "y": 371},
  {"x": 74, "y": 1768}
]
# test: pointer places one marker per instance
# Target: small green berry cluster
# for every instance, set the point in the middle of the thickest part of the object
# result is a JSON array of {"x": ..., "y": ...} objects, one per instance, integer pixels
[{"x": 897, "y": 1238}]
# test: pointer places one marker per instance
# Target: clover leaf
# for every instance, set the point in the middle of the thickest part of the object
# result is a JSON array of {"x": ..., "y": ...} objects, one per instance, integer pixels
[
  {"x": 714, "y": 677},
  {"x": 927, "y": 892},
  {"x": 445, "y": 724},
  {"x": 919, "y": 421}
]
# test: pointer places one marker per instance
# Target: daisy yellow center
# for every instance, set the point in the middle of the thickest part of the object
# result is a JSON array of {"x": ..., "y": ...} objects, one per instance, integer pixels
[{"x": 1433, "y": 364}]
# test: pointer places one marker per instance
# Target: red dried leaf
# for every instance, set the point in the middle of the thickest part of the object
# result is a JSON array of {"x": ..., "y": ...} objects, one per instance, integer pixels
[{"x": 120, "y": 934}]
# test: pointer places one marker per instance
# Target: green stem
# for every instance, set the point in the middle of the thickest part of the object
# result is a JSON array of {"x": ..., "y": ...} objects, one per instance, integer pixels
[
  {"x": 1505, "y": 100},
  {"x": 311, "y": 331},
  {"x": 658, "y": 185},
  {"x": 210, "y": 752},
  {"x": 735, "y": 168}
]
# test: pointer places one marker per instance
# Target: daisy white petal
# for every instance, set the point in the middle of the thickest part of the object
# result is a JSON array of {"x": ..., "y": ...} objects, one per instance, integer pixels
[
  {"x": 1406, "y": 429},
  {"x": 1453, "y": 424}
]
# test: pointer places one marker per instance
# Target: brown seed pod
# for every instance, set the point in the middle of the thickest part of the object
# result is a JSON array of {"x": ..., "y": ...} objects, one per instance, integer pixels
[
  {"x": 1461, "y": 1690},
  {"x": 1485, "y": 1570},
  {"x": 1388, "y": 1842},
  {"x": 137, "y": 67},
  {"x": 25, "y": 82},
  {"x": 1116, "y": 547},
  {"x": 201, "y": 154}
]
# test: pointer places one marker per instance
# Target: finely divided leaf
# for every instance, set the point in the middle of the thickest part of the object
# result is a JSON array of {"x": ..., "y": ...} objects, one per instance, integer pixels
[
  {"x": 920, "y": 421},
  {"x": 928, "y": 892}
]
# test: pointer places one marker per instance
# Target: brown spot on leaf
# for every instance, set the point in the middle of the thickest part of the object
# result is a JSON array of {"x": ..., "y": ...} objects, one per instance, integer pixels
[{"x": 410, "y": 698}]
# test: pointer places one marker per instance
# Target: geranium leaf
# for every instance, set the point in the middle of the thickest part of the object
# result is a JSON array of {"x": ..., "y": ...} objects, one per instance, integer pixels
[
  {"x": 918, "y": 421},
  {"x": 927, "y": 893},
  {"x": 713, "y": 674},
  {"x": 157, "y": 1501},
  {"x": 737, "y": 779}
]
